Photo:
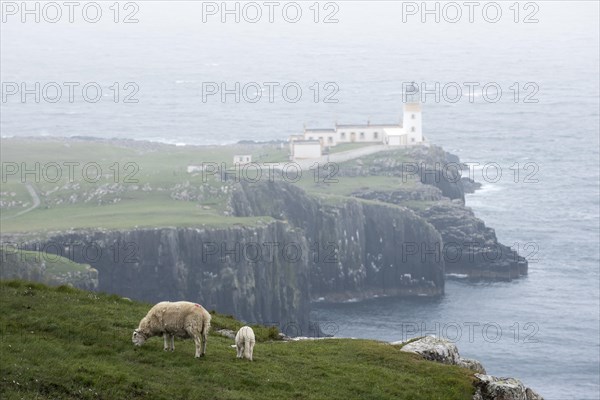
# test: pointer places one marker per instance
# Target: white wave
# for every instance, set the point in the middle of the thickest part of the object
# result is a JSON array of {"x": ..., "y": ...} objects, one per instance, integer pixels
[
  {"x": 459, "y": 276},
  {"x": 485, "y": 188}
]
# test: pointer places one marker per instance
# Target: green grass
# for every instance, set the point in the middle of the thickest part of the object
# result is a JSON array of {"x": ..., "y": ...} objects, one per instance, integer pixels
[
  {"x": 139, "y": 214},
  {"x": 159, "y": 192},
  {"x": 62, "y": 343},
  {"x": 127, "y": 168},
  {"x": 400, "y": 155},
  {"x": 351, "y": 146},
  {"x": 344, "y": 185}
]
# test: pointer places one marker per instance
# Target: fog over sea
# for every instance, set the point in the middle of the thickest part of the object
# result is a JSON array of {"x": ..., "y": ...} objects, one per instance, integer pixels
[{"x": 549, "y": 320}]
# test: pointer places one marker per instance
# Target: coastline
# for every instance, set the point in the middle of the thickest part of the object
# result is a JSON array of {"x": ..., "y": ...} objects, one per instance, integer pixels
[{"x": 341, "y": 215}]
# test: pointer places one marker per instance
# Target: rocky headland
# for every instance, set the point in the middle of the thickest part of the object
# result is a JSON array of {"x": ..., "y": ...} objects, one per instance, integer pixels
[
  {"x": 278, "y": 245},
  {"x": 393, "y": 223}
]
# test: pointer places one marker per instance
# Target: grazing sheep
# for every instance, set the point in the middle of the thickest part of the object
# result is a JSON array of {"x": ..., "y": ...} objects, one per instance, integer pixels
[
  {"x": 244, "y": 341},
  {"x": 182, "y": 319}
]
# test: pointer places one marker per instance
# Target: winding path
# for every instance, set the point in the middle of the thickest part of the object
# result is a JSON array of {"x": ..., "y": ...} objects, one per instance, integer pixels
[{"x": 36, "y": 202}]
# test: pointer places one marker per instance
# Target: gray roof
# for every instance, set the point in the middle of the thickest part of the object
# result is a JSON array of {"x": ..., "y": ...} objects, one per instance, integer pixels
[
  {"x": 307, "y": 142},
  {"x": 369, "y": 126},
  {"x": 319, "y": 130}
]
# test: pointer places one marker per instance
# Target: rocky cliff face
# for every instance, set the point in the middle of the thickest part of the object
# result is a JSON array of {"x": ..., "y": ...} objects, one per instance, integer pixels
[
  {"x": 468, "y": 246},
  {"x": 357, "y": 249},
  {"x": 471, "y": 248},
  {"x": 46, "y": 268},
  {"x": 238, "y": 270}
]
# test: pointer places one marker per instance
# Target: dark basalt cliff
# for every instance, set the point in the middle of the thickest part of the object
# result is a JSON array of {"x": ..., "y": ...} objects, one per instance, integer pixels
[
  {"x": 358, "y": 249},
  {"x": 51, "y": 270},
  {"x": 232, "y": 270},
  {"x": 468, "y": 247}
]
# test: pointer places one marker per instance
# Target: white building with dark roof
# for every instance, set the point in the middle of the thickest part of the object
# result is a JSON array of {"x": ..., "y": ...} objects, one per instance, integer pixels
[{"x": 407, "y": 133}]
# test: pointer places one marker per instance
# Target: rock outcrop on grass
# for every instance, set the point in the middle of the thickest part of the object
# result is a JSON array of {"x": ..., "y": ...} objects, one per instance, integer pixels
[
  {"x": 440, "y": 350},
  {"x": 487, "y": 387}
]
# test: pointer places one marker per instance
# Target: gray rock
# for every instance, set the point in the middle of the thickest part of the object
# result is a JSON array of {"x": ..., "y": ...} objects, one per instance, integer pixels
[
  {"x": 443, "y": 351},
  {"x": 531, "y": 395},
  {"x": 473, "y": 365},
  {"x": 434, "y": 349},
  {"x": 470, "y": 247},
  {"x": 494, "y": 388},
  {"x": 469, "y": 185},
  {"x": 226, "y": 332}
]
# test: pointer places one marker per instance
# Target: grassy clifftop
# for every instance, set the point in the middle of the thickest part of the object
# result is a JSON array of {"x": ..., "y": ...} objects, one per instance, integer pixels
[
  {"x": 120, "y": 184},
  {"x": 58, "y": 184},
  {"x": 63, "y": 343}
]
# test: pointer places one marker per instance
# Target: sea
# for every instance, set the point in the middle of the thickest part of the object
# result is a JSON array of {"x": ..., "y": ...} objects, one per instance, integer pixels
[{"x": 512, "y": 88}]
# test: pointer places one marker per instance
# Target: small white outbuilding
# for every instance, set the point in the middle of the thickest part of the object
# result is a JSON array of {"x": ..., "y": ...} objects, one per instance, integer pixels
[
  {"x": 242, "y": 159},
  {"x": 304, "y": 149}
]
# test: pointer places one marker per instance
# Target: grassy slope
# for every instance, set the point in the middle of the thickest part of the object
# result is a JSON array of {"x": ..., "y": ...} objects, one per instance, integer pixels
[
  {"x": 345, "y": 186},
  {"x": 351, "y": 146},
  {"x": 63, "y": 343},
  {"x": 123, "y": 216},
  {"x": 159, "y": 166}
]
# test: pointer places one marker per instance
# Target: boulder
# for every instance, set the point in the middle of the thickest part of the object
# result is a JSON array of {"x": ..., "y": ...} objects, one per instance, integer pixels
[
  {"x": 472, "y": 365},
  {"x": 494, "y": 388},
  {"x": 434, "y": 349},
  {"x": 228, "y": 333},
  {"x": 440, "y": 350}
]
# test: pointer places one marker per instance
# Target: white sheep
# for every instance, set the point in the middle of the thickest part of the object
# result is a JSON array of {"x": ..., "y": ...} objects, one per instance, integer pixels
[
  {"x": 182, "y": 319},
  {"x": 244, "y": 341}
]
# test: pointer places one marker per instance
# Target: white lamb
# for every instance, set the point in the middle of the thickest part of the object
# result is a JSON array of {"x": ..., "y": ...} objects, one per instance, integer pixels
[
  {"x": 182, "y": 319},
  {"x": 244, "y": 341}
]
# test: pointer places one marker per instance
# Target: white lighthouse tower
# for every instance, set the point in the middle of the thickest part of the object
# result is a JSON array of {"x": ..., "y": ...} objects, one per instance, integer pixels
[{"x": 411, "y": 120}]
